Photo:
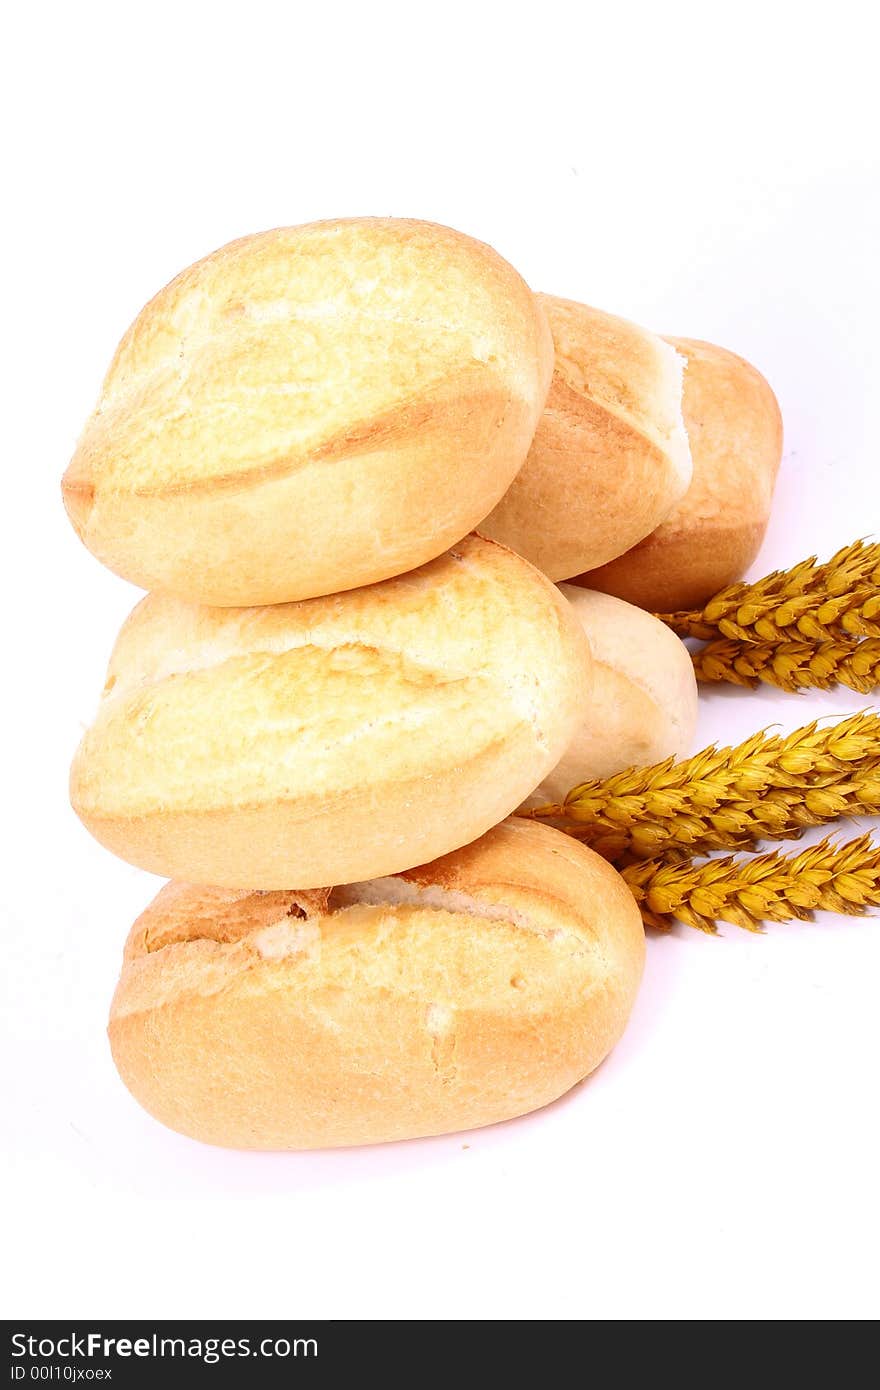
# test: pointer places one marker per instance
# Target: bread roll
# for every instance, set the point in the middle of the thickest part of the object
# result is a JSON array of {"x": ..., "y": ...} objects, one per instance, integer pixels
[
  {"x": 460, "y": 994},
  {"x": 643, "y": 706},
  {"x": 311, "y": 409},
  {"x": 715, "y": 532},
  {"x": 334, "y": 739},
  {"x": 610, "y": 457}
]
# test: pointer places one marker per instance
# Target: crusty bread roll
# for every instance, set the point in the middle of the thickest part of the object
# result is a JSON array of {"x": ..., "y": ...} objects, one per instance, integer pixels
[
  {"x": 469, "y": 991},
  {"x": 334, "y": 739},
  {"x": 715, "y": 532},
  {"x": 610, "y": 457},
  {"x": 643, "y": 705},
  {"x": 311, "y": 409}
]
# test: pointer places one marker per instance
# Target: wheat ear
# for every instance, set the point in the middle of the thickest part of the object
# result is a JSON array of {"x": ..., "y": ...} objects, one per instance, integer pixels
[
  {"x": 822, "y": 603},
  {"x": 726, "y": 798},
  {"x": 791, "y": 665},
  {"x": 766, "y": 887}
]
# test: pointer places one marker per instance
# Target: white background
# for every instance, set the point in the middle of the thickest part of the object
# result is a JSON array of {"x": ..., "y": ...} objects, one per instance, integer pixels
[{"x": 710, "y": 171}]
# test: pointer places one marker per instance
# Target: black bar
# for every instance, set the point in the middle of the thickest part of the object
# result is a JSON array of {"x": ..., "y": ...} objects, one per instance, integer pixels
[{"x": 138, "y": 1353}]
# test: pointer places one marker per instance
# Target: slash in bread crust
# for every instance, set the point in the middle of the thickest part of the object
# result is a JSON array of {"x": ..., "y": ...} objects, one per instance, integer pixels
[{"x": 455, "y": 995}]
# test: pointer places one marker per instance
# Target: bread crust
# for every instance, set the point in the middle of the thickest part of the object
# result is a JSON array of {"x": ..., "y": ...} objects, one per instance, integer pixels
[
  {"x": 309, "y": 410},
  {"x": 335, "y": 739},
  {"x": 644, "y": 704},
  {"x": 715, "y": 532},
  {"x": 505, "y": 974},
  {"x": 610, "y": 457}
]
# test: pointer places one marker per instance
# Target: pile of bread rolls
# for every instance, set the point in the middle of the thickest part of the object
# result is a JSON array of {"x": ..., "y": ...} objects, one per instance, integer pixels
[{"x": 350, "y": 461}]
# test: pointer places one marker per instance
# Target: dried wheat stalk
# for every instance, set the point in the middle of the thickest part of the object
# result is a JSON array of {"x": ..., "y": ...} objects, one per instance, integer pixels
[
  {"x": 766, "y": 887},
  {"x": 819, "y": 603},
  {"x": 792, "y": 665},
  {"x": 727, "y": 798}
]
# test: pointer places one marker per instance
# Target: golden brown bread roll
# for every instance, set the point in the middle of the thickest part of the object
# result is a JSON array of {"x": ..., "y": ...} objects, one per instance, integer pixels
[
  {"x": 311, "y": 409},
  {"x": 337, "y": 738},
  {"x": 643, "y": 705},
  {"x": 610, "y": 457},
  {"x": 455, "y": 995},
  {"x": 715, "y": 532}
]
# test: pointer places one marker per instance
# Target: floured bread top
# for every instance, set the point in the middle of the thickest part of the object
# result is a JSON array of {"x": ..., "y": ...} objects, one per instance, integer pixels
[
  {"x": 207, "y": 706},
  {"x": 294, "y": 343}
]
